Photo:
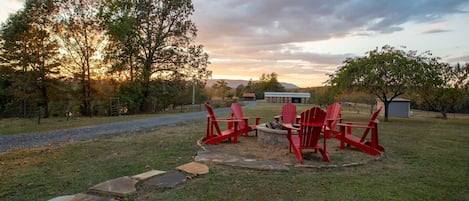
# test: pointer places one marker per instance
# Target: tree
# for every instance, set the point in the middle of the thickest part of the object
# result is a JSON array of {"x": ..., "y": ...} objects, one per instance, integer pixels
[
  {"x": 321, "y": 95},
  {"x": 30, "y": 51},
  {"x": 118, "y": 18},
  {"x": 6, "y": 88},
  {"x": 267, "y": 82},
  {"x": 161, "y": 32},
  {"x": 83, "y": 39},
  {"x": 386, "y": 73},
  {"x": 221, "y": 88},
  {"x": 442, "y": 87},
  {"x": 240, "y": 89}
]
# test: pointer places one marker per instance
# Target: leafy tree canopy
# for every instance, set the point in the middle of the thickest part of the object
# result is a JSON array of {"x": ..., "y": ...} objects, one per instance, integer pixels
[
  {"x": 267, "y": 82},
  {"x": 443, "y": 87},
  {"x": 386, "y": 73}
]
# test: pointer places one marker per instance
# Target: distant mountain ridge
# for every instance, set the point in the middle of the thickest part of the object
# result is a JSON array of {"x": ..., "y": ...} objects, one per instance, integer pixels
[{"x": 235, "y": 83}]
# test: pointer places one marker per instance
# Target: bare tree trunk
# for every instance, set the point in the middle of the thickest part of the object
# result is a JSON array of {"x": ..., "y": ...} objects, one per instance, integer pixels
[
  {"x": 444, "y": 113},
  {"x": 386, "y": 110},
  {"x": 88, "y": 76}
]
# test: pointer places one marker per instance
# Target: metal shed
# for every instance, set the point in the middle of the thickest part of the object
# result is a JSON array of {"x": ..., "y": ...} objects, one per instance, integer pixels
[
  {"x": 399, "y": 107},
  {"x": 286, "y": 97}
]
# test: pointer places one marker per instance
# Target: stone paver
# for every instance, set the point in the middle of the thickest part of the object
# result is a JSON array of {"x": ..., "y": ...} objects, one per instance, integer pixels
[
  {"x": 147, "y": 175},
  {"x": 82, "y": 197},
  {"x": 259, "y": 164},
  {"x": 169, "y": 180},
  {"x": 226, "y": 159},
  {"x": 86, "y": 197},
  {"x": 120, "y": 187},
  {"x": 63, "y": 198},
  {"x": 215, "y": 156},
  {"x": 194, "y": 168}
]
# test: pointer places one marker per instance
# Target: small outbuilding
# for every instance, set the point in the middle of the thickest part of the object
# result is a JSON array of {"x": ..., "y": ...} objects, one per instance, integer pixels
[
  {"x": 286, "y": 97},
  {"x": 399, "y": 107},
  {"x": 249, "y": 97}
]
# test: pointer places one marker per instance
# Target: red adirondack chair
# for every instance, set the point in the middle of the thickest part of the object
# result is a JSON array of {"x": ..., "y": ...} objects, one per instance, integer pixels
[
  {"x": 372, "y": 146},
  {"x": 309, "y": 133},
  {"x": 237, "y": 113},
  {"x": 212, "y": 126},
  {"x": 333, "y": 116},
  {"x": 288, "y": 115}
]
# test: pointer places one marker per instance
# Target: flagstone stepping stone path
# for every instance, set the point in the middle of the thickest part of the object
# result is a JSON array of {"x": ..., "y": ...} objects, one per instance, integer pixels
[
  {"x": 125, "y": 186},
  {"x": 147, "y": 175},
  {"x": 169, "y": 180},
  {"x": 194, "y": 168},
  {"x": 82, "y": 197},
  {"x": 120, "y": 187}
]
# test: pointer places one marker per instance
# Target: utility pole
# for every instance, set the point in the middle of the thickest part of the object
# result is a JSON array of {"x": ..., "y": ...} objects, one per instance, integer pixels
[{"x": 193, "y": 90}]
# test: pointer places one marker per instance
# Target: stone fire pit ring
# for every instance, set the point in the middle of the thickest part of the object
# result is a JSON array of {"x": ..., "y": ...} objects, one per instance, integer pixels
[{"x": 271, "y": 136}]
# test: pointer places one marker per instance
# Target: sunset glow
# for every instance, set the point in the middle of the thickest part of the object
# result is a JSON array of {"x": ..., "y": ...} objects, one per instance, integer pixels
[{"x": 303, "y": 41}]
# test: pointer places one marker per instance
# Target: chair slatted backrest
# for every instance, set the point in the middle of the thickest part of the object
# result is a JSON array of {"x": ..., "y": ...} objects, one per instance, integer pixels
[
  {"x": 237, "y": 111},
  {"x": 373, "y": 121},
  {"x": 333, "y": 114},
  {"x": 289, "y": 113},
  {"x": 311, "y": 124},
  {"x": 211, "y": 118}
]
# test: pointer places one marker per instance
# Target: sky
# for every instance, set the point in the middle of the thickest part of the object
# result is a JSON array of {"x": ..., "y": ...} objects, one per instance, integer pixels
[{"x": 303, "y": 41}]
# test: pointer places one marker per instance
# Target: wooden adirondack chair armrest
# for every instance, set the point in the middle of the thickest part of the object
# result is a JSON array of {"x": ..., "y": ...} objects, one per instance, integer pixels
[
  {"x": 355, "y": 122},
  {"x": 225, "y": 119},
  {"x": 334, "y": 119},
  {"x": 257, "y": 119},
  {"x": 277, "y": 117},
  {"x": 290, "y": 127},
  {"x": 354, "y": 125},
  {"x": 326, "y": 127},
  {"x": 228, "y": 120},
  {"x": 251, "y": 117},
  {"x": 313, "y": 124}
]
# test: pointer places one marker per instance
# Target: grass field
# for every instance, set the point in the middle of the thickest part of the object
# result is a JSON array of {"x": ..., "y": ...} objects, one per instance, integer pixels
[
  {"x": 28, "y": 125},
  {"x": 426, "y": 159}
]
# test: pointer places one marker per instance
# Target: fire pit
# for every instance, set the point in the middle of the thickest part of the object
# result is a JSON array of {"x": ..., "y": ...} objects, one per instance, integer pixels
[{"x": 272, "y": 136}]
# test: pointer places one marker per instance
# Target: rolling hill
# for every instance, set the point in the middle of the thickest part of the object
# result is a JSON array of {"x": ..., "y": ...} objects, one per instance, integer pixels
[{"x": 235, "y": 83}]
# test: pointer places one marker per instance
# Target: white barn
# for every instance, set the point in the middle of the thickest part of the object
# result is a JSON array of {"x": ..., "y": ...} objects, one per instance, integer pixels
[{"x": 286, "y": 97}]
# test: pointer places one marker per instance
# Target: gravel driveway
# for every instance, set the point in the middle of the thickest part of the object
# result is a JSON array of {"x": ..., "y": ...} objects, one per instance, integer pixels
[{"x": 31, "y": 140}]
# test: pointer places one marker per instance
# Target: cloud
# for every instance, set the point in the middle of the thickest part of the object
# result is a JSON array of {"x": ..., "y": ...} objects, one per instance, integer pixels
[
  {"x": 432, "y": 31},
  {"x": 249, "y": 27},
  {"x": 459, "y": 59},
  {"x": 276, "y": 22},
  {"x": 257, "y": 34},
  {"x": 9, "y": 7}
]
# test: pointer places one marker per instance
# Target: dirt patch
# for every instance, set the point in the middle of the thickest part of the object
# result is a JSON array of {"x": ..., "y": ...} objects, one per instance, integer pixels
[{"x": 249, "y": 147}]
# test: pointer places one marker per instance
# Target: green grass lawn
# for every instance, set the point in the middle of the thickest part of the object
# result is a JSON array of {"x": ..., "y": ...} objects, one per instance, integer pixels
[
  {"x": 10, "y": 126},
  {"x": 426, "y": 159}
]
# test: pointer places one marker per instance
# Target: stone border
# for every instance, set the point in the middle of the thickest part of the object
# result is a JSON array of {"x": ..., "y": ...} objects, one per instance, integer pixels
[
  {"x": 337, "y": 166},
  {"x": 325, "y": 166}
]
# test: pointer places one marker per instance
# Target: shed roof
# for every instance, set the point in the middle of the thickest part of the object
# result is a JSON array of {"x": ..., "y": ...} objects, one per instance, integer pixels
[
  {"x": 400, "y": 100},
  {"x": 287, "y": 94},
  {"x": 249, "y": 95}
]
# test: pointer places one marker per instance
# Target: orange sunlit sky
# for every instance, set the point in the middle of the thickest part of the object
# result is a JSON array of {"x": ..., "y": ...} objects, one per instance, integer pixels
[{"x": 303, "y": 40}]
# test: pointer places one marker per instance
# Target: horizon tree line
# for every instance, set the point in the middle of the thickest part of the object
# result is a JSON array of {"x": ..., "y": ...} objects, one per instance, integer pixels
[{"x": 80, "y": 53}]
